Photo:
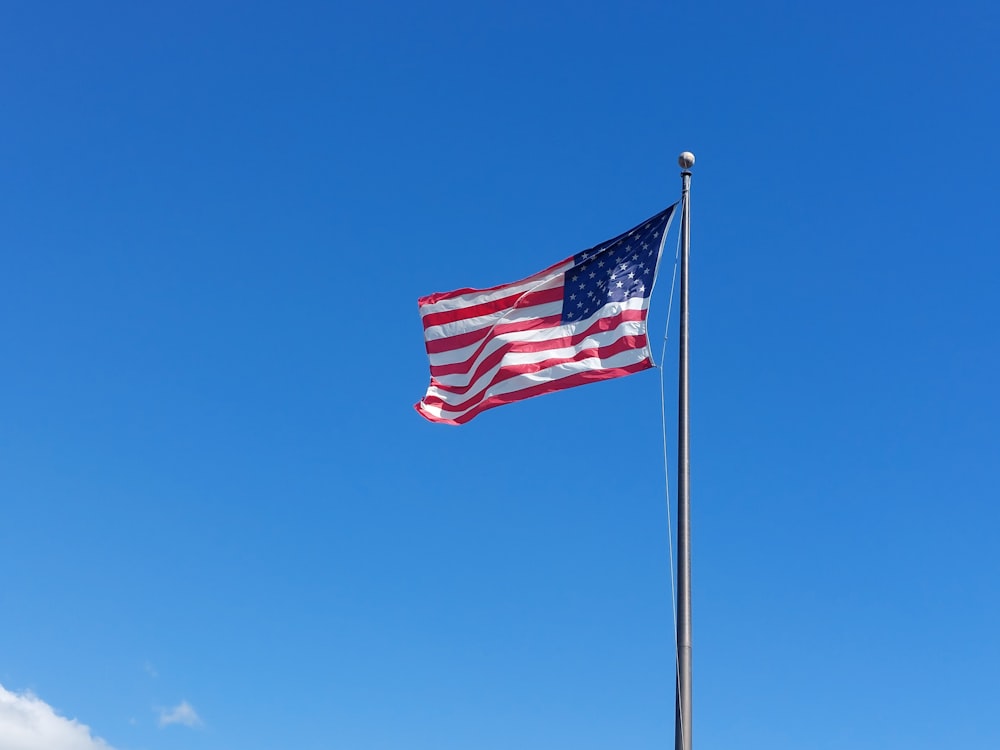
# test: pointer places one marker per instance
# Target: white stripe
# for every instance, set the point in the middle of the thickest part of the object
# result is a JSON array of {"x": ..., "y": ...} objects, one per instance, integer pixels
[
  {"x": 539, "y": 334},
  {"x": 461, "y": 355},
  {"x": 514, "y": 359},
  {"x": 557, "y": 372},
  {"x": 481, "y": 296},
  {"x": 447, "y": 330}
]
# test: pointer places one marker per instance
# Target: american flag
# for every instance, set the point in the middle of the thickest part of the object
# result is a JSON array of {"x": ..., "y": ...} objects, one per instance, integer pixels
[{"x": 579, "y": 321}]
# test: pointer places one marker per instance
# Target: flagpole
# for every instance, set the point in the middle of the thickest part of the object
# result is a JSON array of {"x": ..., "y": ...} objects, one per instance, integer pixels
[{"x": 682, "y": 726}]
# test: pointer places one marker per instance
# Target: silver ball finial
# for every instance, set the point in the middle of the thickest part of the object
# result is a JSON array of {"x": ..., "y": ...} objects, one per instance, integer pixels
[{"x": 686, "y": 160}]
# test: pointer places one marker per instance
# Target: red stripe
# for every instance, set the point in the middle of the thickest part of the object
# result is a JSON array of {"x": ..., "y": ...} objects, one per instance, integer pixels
[
  {"x": 580, "y": 378},
  {"x": 624, "y": 344},
  {"x": 516, "y": 301},
  {"x": 602, "y": 324},
  {"x": 431, "y": 299}
]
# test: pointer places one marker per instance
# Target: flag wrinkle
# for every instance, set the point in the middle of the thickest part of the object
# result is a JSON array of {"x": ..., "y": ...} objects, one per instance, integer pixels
[
  {"x": 603, "y": 330},
  {"x": 583, "y": 356}
]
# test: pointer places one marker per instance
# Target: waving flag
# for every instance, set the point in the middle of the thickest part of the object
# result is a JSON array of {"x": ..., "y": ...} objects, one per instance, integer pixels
[{"x": 580, "y": 321}]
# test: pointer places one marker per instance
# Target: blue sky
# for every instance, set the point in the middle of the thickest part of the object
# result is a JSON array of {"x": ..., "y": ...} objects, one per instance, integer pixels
[{"x": 222, "y": 523}]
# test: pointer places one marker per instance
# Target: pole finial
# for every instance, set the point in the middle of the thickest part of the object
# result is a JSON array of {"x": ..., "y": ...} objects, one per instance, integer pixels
[{"x": 686, "y": 160}]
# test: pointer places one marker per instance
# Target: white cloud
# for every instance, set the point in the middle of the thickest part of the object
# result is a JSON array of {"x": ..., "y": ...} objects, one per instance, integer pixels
[
  {"x": 183, "y": 713},
  {"x": 29, "y": 723}
]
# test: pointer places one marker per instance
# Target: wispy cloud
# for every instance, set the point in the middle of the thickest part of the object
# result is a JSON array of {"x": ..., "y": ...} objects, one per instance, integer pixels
[
  {"x": 183, "y": 714},
  {"x": 29, "y": 723}
]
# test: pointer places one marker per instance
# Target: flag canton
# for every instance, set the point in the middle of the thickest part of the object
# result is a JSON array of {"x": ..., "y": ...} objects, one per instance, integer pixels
[{"x": 615, "y": 271}]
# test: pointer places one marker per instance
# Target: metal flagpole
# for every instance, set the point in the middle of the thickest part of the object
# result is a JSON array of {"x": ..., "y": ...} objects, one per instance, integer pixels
[{"x": 682, "y": 727}]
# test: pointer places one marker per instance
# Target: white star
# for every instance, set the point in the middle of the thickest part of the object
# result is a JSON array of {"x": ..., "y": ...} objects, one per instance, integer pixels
[
  {"x": 631, "y": 275},
  {"x": 619, "y": 285},
  {"x": 572, "y": 296},
  {"x": 600, "y": 264},
  {"x": 592, "y": 274}
]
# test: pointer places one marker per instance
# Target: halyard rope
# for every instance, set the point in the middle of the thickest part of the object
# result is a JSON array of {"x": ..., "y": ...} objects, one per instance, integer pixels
[{"x": 666, "y": 470}]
